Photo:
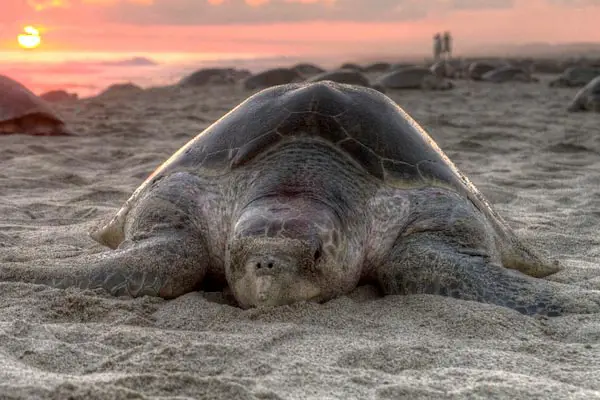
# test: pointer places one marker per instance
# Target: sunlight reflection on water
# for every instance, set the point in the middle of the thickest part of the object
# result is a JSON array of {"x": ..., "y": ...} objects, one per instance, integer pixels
[{"x": 87, "y": 77}]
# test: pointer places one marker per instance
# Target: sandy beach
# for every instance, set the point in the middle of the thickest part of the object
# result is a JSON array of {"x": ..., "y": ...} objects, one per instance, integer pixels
[{"x": 538, "y": 164}]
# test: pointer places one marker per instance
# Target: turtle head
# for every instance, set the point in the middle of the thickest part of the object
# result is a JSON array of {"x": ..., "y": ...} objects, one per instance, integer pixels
[
  {"x": 274, "y": 271},
  {"x": 275, "y": 257}
]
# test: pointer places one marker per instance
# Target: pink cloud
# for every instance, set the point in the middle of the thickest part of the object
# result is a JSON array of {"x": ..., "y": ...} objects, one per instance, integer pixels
[{"x": 79, "y": 25}]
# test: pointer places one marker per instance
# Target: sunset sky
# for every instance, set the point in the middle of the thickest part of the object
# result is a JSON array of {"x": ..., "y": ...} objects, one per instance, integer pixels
[{"x": 290, "y": 27}]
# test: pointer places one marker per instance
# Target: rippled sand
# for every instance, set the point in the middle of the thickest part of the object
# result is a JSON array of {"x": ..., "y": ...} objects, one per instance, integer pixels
[{"x": 537, "y": 163}]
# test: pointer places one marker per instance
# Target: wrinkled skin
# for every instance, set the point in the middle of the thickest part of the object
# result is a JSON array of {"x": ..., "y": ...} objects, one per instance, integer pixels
[{"x": 336, "y": 187}]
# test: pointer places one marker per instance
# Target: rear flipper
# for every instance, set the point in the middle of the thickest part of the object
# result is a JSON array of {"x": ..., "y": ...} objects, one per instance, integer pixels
[
  {"x": 433, "y": 263},
  {"x": 165, "y": 265}
]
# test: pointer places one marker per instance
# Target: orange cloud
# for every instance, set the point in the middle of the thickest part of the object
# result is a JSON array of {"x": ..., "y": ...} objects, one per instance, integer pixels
[
  {"x": 256, "y": 3},
  {"x": 329, "y": 2},
  {"x": 39, "y": 5},
  {"x": 215, "y": 2},
  {"x": 114, "y": 2},
  {"x": 101, "y": 2}
]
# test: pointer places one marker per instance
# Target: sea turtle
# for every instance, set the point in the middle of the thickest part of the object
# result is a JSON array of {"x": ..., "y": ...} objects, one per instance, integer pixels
[
  {"x": 306, "y": 69},
  {"x": 413, "y": 78},
  {"x": 575, "y": 77},
  {"x": 348, "y": 76},
  {"x": 301, "y": 193},
  {"x": 272, "y": 77},
  {"x": 352, "y": 66},
  {"x": 478, "y": 68},
  {"x": 58, "y": 96},
  {"x": 548, "y": 66},
  {"x": 377, "y": 67},
  {"x": 121, "y": 89},
  {"x": 21, "y": 111},
  {"x": 588, "y": 97},
  {"x": 209, "y": 76},
  {"x": 402, "y": 65},
  {"x": 507, "y": 74}
]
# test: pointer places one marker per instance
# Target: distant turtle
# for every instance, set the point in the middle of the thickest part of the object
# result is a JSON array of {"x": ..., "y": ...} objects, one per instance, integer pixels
[
  {"x": 378, "y": 67},
  {"x": 240, "y": 74},
  {"x": 402, "y": 65},
  {"x": 348, "y": 76},
  {"x": 508, "y": 74},
  {"x": 353, "y": 66},
  {"x": 588, "y": 97},
  {"x": 308, "y": 69},
  {"x": 121, "y": 89},
  {"x": 58, "y": 96},
  {"x": 207, "y": 76},
  {"x": 413, "y": 78},
  {"x": 272, "y": 77},
  {"x": 575, "y": 77},
  {"x": 477, "y": 69},
  {"x": 21, "y": 111},
  {"x": 548, "y": 66},
  {"x": 301, "y": 193}
]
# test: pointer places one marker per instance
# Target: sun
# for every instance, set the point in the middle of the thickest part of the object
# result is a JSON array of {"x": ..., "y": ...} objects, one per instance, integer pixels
[{"x": 30, "y": 39}]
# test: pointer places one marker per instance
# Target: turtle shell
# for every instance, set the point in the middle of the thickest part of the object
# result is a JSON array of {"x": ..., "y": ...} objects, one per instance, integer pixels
[
  {"x": 348, "y": 76},
  {"x": 272, "y": 77},
  {"x": 404, "y": 78},
  {"x": 307, "y": 69},
  {"x": 581, "y": 75},
  {"x": 366, "y": 125},
  {"x": 505, "y": 73},
  {"x": 208, "y": 75},
  {"x": 361, "y": 123},
  {"x": 16, "y": 101},
  {"x": 478, "y": 69}
]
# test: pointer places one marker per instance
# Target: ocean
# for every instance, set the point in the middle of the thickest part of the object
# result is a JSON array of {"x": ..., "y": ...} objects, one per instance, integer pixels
[{"x": 88, "y": 74}]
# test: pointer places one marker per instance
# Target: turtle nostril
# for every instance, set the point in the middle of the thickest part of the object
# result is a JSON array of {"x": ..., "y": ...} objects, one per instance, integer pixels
[
  {"x": 317, "y": 255},
  {"x": 268, "y": 265}
]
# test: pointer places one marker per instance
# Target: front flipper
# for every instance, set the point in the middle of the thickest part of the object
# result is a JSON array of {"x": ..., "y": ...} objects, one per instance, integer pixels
[
  {"x": 166, "y": 265},
  {"x": 162, "y": 246},
  {"x": 434, "y": 263}
]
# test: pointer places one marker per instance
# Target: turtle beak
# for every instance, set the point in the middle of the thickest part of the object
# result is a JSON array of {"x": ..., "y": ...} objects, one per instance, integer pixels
[{"x": 264, "y": 284}]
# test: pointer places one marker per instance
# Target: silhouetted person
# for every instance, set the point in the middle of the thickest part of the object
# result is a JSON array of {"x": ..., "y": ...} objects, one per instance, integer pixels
[
  {"x": 447, "y": 45},
  {"x": 437, "y": 47}
]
